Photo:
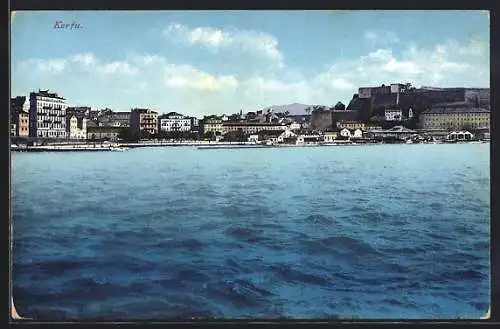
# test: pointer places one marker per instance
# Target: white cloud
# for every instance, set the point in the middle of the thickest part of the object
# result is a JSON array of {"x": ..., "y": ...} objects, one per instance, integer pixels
[
  {"x": 54, "y": 66},
  {"x": 250, "y": 42},
  {"x": 183, "y": 76},
  {"x": 86, "y": 59},
  {"x": 169, "y": 85},
  {"x": 381, "y": 36},
  {"x": 117, "y": 67}
]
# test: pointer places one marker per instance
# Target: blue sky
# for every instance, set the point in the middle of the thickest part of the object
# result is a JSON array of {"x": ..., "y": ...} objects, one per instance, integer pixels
[{"x": 202, "y": 62}]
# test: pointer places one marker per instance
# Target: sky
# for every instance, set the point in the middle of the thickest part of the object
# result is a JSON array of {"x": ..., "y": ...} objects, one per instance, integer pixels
[{"x": 213, "y": 62}]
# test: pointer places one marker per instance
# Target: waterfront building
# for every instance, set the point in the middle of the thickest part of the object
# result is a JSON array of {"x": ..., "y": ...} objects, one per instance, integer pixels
[
  {"x": 460, "y": 136},
  {"x": 286, "y": 135},
  {"x": 252, "y": 127},
  {"x": 346, "y": 133},
  {"x": 294, "y": 126},
  {"x": 350, "y": 125},
  {"x": 174, "y": 121},
  {"x": 455, "y": 118},
  {"x": 19, "y": 116},
  {"x": 109, "y": 118},
  {"x": 195, "y": 125},
  {"x": 76, "y": 123},
  {"x": 330, "y": 136},
  {"x": 211, "y": 124},
  {"x": 103, "y": 132},
  {"x": 306, "y": 139},
  {"x": 47, "y": 115},
  {"x": 357, "y": 133},
  {"x": 253, "y": 138},
  {"x": 393, "y": 114},
  {"x": 144, "y": 120}
]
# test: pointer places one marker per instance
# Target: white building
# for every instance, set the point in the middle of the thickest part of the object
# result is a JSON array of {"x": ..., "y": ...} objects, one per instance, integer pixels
[
  {"x": 410, "y": 113},
  {"x": 345, "y": 132},
  {"x": 330, "y": 136},
  {"x": 253, "y": 138},
  {"x": 460, "y": 136},
  {"x": 77, "y": 127},
  {"x": 47, "y": 115},
  {"x": 393, "y": 114},
  {"x": 357, "y": 133},
  {"x": 294, "y": 126},
  {"x": 286, "y": 134},
  {"x": 174, "y": 122}
]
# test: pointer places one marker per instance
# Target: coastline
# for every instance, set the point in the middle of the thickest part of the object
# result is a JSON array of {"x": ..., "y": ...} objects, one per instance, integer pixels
[{"x": 203, "y": 145}]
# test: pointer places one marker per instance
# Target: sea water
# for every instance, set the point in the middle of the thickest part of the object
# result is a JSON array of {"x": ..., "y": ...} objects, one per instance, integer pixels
[{"x": 368, "y": 232}]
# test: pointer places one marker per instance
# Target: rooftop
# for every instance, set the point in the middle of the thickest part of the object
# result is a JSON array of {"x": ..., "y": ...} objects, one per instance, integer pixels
[
  {"x": 252, "y": 124},
  {"x": 45, "y": 93},
  {"x": 448, "y": 110},
  {"x": 144, "y": 111},
  {"x": 172, "y": 114}
]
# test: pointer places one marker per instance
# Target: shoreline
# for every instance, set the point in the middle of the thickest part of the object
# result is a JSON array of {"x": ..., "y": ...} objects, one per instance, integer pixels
[{"x": 204, "y": 146}]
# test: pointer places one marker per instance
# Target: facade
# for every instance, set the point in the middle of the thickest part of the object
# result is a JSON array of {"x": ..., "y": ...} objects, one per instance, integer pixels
[
  {"x": 253, "y": 138},
  {"x": 144, "y": 120},
  {"x": 393, "y": 114},
  {"x": 350, "y": 125},
  {"x": 285, "y": 135},
  {"x": 305, "y": 139},
  {"x": 19, "y": 117},
  {"x": 460, "y": 136},
  {"x": 100, "y": 132},
  {"x": 251, "y": 128},
  {"x": 108, "y": 118},
  {"x": 211, "y": 124},
  {"x": 76, "y": 124},
  {"x": 195, "y": 125},
  {"x": 174, "y": 122},
  {"x": 455, "y": 118},
  {"x": 330, "y": 136},
  {"x": 345, "y": 133},
  {"x": 47, "y": 115},
  {"x": 358, "y": 133},
  {"x": 294, "y": 126}
]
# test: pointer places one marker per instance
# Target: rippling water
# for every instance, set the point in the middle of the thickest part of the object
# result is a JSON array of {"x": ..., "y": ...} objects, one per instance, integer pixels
[{"x": 385, "y": 231}]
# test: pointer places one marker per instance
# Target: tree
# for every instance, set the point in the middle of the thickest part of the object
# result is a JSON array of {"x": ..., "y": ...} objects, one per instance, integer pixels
[
  {"x": 128, "y": 135},
  {"x": 339, "y": 106},
  {"x": 209, "y": 135}
]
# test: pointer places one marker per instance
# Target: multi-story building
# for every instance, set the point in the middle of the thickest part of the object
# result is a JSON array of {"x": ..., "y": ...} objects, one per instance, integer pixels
[
  {"x": 251, "y": 128},
  {"x": 195, "y": 125},
  {"x": 144, "y": 120},
  {"x": 47, "y": 115},
  {"x": 211, "y": 124},
  {"x": 174, "y": 121},
  {"x": 351, "y": 125},
  {"x": 76, "y": 123},
  {"x": 109, "y": 118},
  {"x": 19, "y": 116},
  {"x": 102, "y": 132},
  {"x": 455, "y": 118},
  {"x": 393, "y": 114}
]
